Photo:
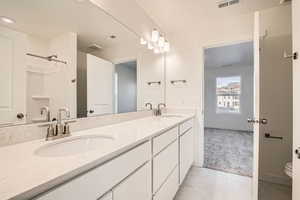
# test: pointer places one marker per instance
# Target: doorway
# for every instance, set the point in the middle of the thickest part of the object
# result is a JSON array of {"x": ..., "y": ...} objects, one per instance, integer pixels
[
  {"x": 126, "y": 87},
  {"x": 228, "y": 97}
]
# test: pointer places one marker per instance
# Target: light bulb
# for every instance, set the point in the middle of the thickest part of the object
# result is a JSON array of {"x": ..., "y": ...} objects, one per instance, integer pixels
[
  {"x": 143, "y": 41},
  {"x": 155, "y": 35},
  {"x": 150, "y": 46},
  {"x": 161, "y": 41}
]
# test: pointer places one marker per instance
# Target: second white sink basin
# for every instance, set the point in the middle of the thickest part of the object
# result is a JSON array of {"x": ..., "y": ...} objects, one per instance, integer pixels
[{"x": 74, "y": 145}]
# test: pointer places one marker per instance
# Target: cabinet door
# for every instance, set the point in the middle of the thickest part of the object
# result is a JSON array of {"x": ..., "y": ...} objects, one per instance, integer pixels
[
  {"x": 163, "y": 165},
  {"x": 186, "y": 153},
  {"x": 136, "y": 187}
]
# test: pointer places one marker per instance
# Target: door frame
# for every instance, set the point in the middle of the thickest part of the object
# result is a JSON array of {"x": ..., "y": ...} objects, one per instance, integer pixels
[{"x": 213, "y": 45}]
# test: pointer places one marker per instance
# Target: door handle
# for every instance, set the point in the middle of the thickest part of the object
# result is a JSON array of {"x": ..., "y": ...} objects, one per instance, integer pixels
[
  {"x": 20, "y": 115},
  {"x": 260, "y": 121},
  {"x": 91, "y": 111}
]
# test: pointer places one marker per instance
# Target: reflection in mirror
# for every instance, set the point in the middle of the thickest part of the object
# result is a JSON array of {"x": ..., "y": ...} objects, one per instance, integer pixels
[{"x": 88, "y": 63}]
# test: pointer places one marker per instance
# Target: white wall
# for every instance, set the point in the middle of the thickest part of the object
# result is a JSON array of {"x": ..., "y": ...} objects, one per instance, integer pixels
[
  {"x": 233, "y": 121},
  {"x": 185, "y": 61}
]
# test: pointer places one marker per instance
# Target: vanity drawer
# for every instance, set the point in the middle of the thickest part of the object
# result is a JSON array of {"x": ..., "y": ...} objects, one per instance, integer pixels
[
  {"x": 169, "y": 188},
  {"x": 163, "y": 140},
  {"x": 95, "y": 183},
  {"x": 186, "y": 126},
  {"x": 163, "y": 164}
]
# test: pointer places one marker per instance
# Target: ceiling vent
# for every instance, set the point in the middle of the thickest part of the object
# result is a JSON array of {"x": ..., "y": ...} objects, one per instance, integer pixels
[{"x": 226, "y": 3}]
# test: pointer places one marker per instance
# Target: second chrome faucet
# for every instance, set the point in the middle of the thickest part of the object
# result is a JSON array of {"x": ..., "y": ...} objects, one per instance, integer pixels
[{"x": 156, "y": 111}]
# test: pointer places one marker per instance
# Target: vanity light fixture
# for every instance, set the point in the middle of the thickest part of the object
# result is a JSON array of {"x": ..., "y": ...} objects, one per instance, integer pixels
[
  {"x": 150, "y": 46},
  {"x": 143, "y": 41},
  {"x": 155, "y": 35},
  {"x": 7, "y": 20}
]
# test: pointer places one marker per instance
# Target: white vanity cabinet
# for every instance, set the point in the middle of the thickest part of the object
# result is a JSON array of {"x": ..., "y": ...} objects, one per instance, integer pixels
[
  {"x": 96, "y": 182},
  {"x": 150, "y": 171},
  {"x": 165, "y": 165},
  {"x": 186, "y": 153}
]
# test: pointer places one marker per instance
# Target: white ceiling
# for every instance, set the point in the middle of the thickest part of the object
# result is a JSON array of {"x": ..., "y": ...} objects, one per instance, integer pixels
[
  {"x": 49, "y": 18},
  {"x": 241, "y": 54},
  {"x": 180, "y": 16}
]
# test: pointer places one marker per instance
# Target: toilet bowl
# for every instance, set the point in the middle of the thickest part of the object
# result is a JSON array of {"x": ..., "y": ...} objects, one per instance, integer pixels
[{"x": 288, "y": 169}]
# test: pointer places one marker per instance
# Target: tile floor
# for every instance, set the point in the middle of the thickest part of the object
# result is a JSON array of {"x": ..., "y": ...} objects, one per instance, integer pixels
[
  {"x": 228, "y": 151},
  {"x": 207, "y": 184}
]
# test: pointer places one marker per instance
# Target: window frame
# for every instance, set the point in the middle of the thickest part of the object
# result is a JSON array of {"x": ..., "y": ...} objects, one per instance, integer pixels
[{"x": 218, "y": 111}]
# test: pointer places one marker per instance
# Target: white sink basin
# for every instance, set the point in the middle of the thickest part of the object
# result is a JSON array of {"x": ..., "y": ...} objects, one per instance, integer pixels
[
  {"x": 74, "y": 145},
  {"x": 171, "y": 116}
]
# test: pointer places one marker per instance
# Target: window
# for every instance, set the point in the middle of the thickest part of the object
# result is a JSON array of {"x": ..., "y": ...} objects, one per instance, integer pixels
[{"x": 228, "y": 93}]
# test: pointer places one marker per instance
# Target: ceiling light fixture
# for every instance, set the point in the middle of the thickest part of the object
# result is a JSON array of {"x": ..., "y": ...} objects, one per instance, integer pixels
[
  {"x": 155, "y": 35},
  {"x": 7, "y": 20},
  {"x": 143, "y": 41}
]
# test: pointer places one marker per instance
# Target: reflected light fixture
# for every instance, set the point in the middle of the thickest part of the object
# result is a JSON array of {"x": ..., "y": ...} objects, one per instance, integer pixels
[
  {"x": 161, "y": 41},
  {"x": 150, "y": 46},
  {"x": 167, "y": 46},
  {"x": 156, "y": 51},
  {"x": 155, "y": 35},
  {"x": 143, "y": 41},
  {"x": 7, "y": 20}
]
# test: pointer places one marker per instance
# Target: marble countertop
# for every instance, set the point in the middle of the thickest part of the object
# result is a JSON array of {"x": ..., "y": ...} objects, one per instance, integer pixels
[{"x": 24, "y": 174}]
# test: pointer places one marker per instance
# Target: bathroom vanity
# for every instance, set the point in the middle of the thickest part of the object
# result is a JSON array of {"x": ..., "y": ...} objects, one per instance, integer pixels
[{"x": 142, "y": 159}]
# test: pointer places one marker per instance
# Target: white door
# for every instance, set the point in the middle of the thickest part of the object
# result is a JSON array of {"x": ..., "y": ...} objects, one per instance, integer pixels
[
  {"x": 296, "y": 98},
  {"x": 256, "y": 105},
  {"x": 100, "y": 74},
  {"x": 12, "y": 76},
  {"x": 273, "y": 99}
]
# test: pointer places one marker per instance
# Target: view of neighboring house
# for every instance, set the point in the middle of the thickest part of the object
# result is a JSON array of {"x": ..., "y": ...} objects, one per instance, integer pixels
[{"x": 228, "y": 92}]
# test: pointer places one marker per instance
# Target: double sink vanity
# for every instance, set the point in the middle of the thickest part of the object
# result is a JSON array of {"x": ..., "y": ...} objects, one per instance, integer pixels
[{"x": 141, "y": 159}]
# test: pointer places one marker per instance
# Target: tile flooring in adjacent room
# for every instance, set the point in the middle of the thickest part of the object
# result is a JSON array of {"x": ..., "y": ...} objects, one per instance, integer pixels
[
  {"x": 207, "y": 184},
  {"x": 228, "y": 151}
]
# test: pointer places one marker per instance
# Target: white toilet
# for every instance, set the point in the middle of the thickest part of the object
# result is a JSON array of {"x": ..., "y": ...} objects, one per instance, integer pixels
[{"x": 288, "y": 169}]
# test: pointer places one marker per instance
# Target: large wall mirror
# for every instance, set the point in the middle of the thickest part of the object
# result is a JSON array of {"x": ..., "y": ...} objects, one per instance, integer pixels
[{"x": 71, "y": 54}]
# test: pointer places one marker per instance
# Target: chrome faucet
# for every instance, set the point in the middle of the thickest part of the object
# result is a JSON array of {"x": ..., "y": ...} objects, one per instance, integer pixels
[
  {"x": 158, "y": 110},
  {"x": 46, "y": 110},
  {"x": 60, "y": 126},
  {"x": 148, "y": 104}
]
